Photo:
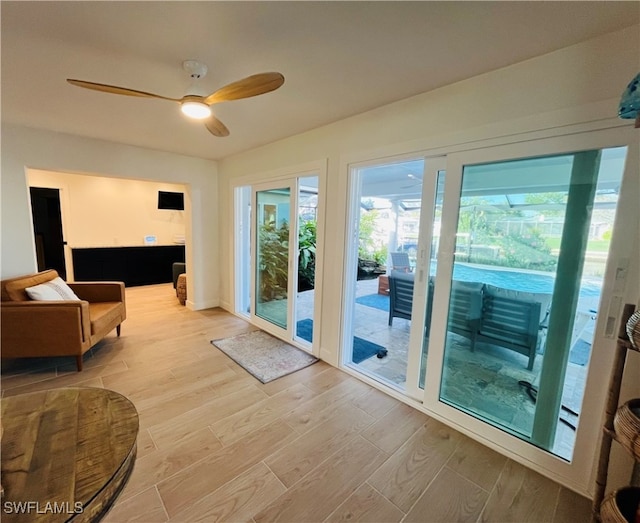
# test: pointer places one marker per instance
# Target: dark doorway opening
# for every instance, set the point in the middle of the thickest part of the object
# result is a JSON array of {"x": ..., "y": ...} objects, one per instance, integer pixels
[{"x": 47, "y": 228}]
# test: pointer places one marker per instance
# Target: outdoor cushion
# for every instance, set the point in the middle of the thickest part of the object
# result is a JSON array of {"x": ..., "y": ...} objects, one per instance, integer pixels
[
  {"x": 512, "y": 319},
  {"x": 465, "y": 304},
  {"x": 543, "y": 299}
]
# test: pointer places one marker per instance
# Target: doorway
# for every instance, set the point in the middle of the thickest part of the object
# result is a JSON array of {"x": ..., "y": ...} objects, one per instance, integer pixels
[
  {"x": 47, "y": 229},
  {"x": 281, "y": 222}
]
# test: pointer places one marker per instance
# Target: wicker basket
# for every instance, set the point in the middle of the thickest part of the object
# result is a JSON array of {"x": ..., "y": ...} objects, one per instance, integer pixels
[
  {"x": 181, "y": 289},
  {"x": 621, "y": 506},
  {"x": 633, "y": 329},
  {"x": 627, "y": 426}
]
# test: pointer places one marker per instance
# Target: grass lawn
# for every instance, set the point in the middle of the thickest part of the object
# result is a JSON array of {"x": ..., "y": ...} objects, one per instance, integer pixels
[{"x": 593, "y": 245}]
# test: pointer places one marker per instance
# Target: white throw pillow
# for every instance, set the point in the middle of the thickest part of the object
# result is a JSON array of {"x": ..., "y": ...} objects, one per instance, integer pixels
[{"x": 54, "y": 290}]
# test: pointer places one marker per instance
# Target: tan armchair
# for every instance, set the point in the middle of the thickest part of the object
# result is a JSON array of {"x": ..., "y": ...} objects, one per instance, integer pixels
[{"x": 32, "y": 329}]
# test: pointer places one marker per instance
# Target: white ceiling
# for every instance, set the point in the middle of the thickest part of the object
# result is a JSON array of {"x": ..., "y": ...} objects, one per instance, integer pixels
[{"x": 338, "y": 58}]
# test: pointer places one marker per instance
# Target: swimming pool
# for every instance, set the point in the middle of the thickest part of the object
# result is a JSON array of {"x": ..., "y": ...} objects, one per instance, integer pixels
[{"x": 519, "y": 280}]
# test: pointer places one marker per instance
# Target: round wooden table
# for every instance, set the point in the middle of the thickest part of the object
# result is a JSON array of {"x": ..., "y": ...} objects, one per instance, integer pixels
[{"x": 66, "y": 454}]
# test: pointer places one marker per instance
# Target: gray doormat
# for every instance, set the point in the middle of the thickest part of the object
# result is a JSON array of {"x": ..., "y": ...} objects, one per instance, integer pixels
[{"x": 263, "y": 356}]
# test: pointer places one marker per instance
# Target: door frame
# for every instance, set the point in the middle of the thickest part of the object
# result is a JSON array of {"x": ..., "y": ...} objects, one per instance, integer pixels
[{"x": 316, "y": 169}]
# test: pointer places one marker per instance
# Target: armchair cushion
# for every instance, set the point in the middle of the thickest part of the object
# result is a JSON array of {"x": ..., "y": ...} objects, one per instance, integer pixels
[{"x": 104, "y": 314}]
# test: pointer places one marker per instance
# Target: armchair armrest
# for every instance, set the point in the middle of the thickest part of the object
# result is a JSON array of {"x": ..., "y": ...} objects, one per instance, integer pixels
[
  {"x": 51, "y": 323},
  {"x": 95, "y": 292}
]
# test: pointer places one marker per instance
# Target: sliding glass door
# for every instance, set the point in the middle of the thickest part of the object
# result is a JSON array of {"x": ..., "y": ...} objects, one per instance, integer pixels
[
  {"x": 495, "y": 311},
  {"x": 523, "y": 249},
  {"x": 284, "y": 229}
]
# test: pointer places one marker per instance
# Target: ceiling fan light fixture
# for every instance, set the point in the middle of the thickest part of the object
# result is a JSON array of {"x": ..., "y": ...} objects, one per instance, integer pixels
[
  {"x": 197, "y": 110},
  {"x": 197, "y": 106}
]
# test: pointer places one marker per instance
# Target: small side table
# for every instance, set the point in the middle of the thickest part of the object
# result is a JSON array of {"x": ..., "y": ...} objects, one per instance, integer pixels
[
  {"x": 383, "y": 285},
  {"x": 181, "y": 289},
  {"x": 66, "y": 454}
]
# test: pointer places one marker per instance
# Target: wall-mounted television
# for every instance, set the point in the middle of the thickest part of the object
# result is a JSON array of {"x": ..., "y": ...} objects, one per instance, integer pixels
[{"x": 171, "y": 200}]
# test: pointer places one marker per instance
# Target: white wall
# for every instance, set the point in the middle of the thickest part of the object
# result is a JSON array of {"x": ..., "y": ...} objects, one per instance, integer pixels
[
  {"x": 507, "y": 101},
  {"x": 579, "y": 85},
  {"x": 30, "y": 149},
  {"x": 104, "y": 212}
]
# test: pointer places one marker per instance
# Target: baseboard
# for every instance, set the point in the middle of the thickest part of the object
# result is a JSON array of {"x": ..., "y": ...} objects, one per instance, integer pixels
[
  {"x": 225, "y": 305},
  {"x": 198, "y": 306},
  {"x": 329, "y": 356}
]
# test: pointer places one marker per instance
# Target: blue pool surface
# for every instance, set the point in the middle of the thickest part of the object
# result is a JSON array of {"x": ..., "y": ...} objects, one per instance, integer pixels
[{"x": 519, "y": 281}]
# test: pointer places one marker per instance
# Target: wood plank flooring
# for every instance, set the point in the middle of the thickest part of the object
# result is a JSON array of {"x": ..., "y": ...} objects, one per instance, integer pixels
[{"x": 318, "y": 445}]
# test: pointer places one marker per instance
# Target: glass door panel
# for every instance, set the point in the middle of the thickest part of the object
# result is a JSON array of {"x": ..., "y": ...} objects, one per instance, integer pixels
[
  {"x": 386, "y": 267},
  {"x": 305, "y": 279},
  {"x": 395, "y": 212},
  {"x": 531, "y": 242},
  {"x": 273, "y": 246}
]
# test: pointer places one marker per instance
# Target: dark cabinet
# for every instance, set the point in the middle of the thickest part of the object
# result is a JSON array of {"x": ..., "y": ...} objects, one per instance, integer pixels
[{"x": 134, "y": 266}]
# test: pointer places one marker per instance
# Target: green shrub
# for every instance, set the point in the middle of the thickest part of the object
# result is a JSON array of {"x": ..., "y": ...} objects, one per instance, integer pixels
[
  {"x": 307, "y": 255},
  {"x": 273, "y": 261}
]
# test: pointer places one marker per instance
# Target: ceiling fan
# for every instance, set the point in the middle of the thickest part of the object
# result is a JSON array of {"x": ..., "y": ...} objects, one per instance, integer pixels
[{"x": 198, "y": 106}]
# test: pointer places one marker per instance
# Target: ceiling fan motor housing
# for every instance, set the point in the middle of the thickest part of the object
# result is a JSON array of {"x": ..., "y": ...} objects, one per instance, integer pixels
[{"x": 195, "y": 69}]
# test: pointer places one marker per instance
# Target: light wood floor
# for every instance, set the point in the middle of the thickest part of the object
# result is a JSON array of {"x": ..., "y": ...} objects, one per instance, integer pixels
[{"x": 318, "y": 445}]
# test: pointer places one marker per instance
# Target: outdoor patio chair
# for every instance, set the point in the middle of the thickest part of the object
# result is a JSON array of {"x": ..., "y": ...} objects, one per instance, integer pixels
[
  {"x": 465, "y": 309},
  {"x": 400, "y": 295},
  {"x": 514, "y": 320},
  {"x": 400, "y": 262}
]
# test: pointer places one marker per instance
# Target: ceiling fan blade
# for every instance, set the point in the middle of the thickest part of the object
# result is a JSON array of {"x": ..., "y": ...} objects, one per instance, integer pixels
[
  {"x": 113, "y": 89},
  {"x": 247, "y": 87},
  {"x": 216, "y": 127}
]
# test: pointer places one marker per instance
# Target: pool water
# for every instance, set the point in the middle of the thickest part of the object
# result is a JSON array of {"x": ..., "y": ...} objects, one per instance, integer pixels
[{"x": 525, "y": 281}]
